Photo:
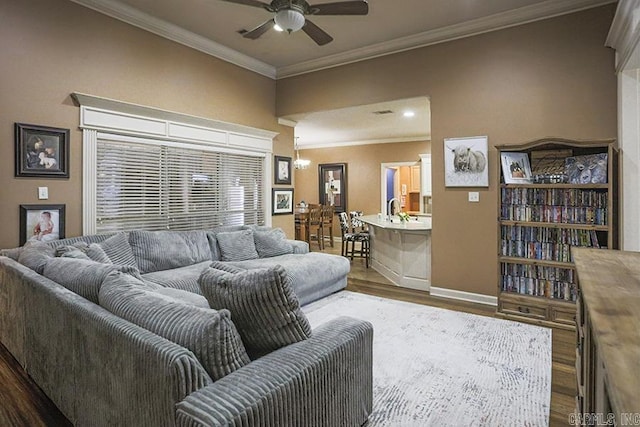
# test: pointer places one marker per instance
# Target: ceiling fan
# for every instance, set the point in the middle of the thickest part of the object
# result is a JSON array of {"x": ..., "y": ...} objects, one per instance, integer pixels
[{"x": 289, "y": 15}]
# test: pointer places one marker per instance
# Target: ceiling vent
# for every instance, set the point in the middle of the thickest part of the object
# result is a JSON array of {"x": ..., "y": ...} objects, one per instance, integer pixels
[{"x": 382, "y": 112}]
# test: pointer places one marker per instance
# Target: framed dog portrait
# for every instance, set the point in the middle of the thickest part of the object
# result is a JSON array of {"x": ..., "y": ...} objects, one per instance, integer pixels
[
  {"x": 41, "y": 152},
  {"x": 42, "y": 223}
]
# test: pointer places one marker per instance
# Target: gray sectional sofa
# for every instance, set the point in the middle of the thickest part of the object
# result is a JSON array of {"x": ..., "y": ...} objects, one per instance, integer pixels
[{"x": 117, "y": 332}]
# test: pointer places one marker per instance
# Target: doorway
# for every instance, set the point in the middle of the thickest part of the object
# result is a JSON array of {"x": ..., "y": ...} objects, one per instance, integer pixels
[{"x": 398, "y": 182}]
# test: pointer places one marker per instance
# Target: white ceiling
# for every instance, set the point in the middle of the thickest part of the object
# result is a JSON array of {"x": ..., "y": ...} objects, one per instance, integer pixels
[
  {"x": 364, "y": 124},
  {"x": 212, "y": 26}
]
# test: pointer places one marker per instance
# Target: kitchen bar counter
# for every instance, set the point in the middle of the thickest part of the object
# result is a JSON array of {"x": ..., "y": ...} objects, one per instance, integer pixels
[{"x": 401, "y": 252}]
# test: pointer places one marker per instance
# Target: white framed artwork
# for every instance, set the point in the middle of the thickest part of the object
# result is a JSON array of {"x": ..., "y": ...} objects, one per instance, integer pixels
[
  {"x": 515, "y": 168},
  {"x": 465, "y": 162}
]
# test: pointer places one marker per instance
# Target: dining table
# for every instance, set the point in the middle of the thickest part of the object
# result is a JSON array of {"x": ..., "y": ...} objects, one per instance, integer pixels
[{"x": 301, "y": 215}]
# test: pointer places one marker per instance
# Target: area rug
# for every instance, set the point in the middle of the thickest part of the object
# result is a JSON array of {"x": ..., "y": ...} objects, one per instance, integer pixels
[{"x": 437, "y": 367}]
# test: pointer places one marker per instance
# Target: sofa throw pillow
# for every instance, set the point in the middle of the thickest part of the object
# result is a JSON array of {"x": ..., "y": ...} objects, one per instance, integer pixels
[
  {"x": 35, "y": 255},
  {"x": 164, "y": 250},
  {"x": 84, "y": 277},
  {"x": 262, "y": 304},
  {"x": 76, "y": 253},
  {"x": 236, "y": 245},
  {"x": 183, "y": 296},
  {"x": 118, "y": 250},
  {"x": 271, "y": 242},
  {"x": 83, "y": 250},
  {"x": 208, "y": 333},
  {"x": 95, "y": 252}
]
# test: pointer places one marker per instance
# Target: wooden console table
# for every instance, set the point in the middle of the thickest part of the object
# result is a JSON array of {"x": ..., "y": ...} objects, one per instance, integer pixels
[{"x": 608, "y": 335}]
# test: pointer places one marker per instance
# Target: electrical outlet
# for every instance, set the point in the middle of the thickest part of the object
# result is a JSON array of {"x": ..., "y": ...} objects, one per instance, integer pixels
[
  {"x": 43, "y": 193},
  {"x": 474, "y": 196}
]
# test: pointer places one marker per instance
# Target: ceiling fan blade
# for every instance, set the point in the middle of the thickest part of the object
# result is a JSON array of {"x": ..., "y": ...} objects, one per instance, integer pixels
[
  {"x": 358, "y": 7},
  {"x": 316, "y": 33},
  {"x": 254, "y": 3},
  {"x": 259, "y": 30}
]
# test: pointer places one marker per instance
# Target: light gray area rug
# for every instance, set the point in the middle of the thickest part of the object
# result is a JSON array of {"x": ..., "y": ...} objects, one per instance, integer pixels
[{"x": 437, "y": 367}]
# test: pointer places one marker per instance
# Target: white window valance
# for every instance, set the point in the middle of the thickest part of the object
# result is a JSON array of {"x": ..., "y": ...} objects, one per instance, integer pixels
[{"x": 166, "y": 170}]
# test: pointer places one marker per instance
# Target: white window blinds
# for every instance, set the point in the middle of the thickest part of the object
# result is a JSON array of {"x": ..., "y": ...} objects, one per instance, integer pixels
[{"x": 156, "y": 186}]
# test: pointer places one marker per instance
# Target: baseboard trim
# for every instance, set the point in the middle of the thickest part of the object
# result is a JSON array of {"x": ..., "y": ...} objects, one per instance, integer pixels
[{"x": 464, "y": 296}]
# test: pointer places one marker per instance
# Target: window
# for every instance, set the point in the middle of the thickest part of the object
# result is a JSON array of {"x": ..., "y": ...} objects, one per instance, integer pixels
[{"x": 160, "y": 185}]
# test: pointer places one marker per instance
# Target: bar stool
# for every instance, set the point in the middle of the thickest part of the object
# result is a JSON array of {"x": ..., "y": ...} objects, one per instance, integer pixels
[{"x": 349, "y": 235}]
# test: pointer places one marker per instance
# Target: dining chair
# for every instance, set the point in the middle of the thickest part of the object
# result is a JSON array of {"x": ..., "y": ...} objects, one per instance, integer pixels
[
  {"x": 328, "y": 212},
  {"x": 314, "y": 225}
]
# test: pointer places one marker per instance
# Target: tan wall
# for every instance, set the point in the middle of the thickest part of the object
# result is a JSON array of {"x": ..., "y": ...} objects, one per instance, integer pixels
[
  {"x": 283, "y": 146},
  {"x": 552, "y": 77},
  {"x": 51, "y": 48},
  {"x": 363, "y": 172}
]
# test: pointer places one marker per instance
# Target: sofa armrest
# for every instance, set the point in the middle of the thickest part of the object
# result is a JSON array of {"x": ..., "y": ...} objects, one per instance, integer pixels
[
  {"x": 325, "y": 380},
  {"x": 299, "y": 246},
  {"x": 98, "y": 369}
]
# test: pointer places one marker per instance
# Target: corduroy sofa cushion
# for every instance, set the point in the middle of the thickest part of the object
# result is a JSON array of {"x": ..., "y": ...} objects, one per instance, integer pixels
[
  {"x": 84, "y": 277},
  {"x": 164, "y": 250},
  {"x": 236, "y": 245},
  {"x": 262, "y": 305},
  {"x": 91, "y": 251},
  {"x": 118, "y": 250},
  {"x": 272, "y": 242},
  {"x": 209, "y": 334},
  {"x": 35, "y": 255}
]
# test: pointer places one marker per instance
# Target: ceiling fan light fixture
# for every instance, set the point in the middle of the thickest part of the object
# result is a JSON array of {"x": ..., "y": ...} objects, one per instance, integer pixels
[{"x": 289, "y": 20}]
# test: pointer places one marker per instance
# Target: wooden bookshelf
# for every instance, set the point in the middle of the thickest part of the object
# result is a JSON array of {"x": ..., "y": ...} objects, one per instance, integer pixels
[{"x": 543, "y": 216}]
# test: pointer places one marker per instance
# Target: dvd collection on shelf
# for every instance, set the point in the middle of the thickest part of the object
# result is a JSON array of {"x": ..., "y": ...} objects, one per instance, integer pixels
[
  {"x": 565, "y": 199},
  {"x": 537, "y": 285},
  {"x": 556, "y": 205},
  {"x": 548, "y": 244}
]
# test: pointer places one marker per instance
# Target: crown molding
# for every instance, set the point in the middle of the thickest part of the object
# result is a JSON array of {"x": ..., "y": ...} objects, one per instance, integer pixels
[
  {"x": 624, "y": 35},
  {"x": 128, "y": 14},
  {"x": 523, "y": 15},
  {"x": 544, "y": 10},
  {"x": 287, "y": 122},
  {"x": 418, "y": 138}
]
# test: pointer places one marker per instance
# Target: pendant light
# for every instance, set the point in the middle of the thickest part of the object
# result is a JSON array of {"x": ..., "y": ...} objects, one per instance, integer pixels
[{"x": 299, "y": 163}]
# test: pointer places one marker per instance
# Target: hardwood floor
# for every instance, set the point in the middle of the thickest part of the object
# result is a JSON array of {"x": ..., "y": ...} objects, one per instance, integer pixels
[{"x": 22, "y": 403}]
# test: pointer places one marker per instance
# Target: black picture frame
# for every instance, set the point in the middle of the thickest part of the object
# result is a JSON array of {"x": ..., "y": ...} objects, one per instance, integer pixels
[
  {"x": 41, "y": 151},
  {"x": 282, "y": 170},
  {"x": 32, "y": 218},
  {"x": 282, "y": 201},
  {"x": 332, "y": 185}
]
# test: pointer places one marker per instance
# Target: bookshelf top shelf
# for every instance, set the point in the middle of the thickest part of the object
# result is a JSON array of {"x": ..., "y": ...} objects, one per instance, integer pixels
[
  {"x": 559, "y": 186},
  {"x": 555, "y": 142}
]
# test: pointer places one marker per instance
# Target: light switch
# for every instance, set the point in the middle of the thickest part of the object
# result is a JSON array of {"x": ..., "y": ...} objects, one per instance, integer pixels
[
  {"x": 474, "y": 196},
  {"x": 43, "y": 193}
]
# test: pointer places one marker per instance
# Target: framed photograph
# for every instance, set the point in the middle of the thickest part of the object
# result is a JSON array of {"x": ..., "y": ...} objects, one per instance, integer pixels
[
  {"x": 43, "y": 223},
  {"x": 332, "y": 185},
  {"x": 515, "y": 168},
  {"x": 465, "y": 162},
  {"x": 41, "y": 151},
  {"x": 282, "y": 170},
  {"x": 587, "y": 169},
  {"x": 282, "y": 201}
]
